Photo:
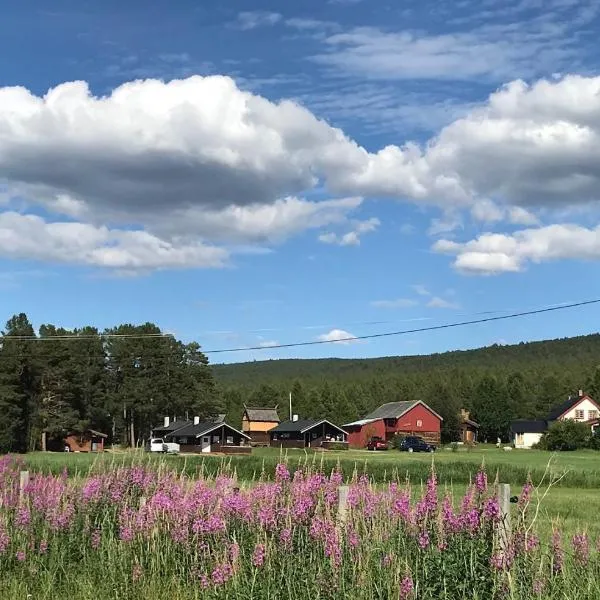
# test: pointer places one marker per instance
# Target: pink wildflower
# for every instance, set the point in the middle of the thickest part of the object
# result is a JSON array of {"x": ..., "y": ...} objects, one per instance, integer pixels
[
  {"x": 406, "y": 588},
  {"x": 20, "y": 556},
  {"x": 282, "y": 473},
  {"x": 258, "y": 557},
  {"x": 581, "y": 548},
  {"x": 558, "y": 554},
  {"x": 481, "y": 481},
  {"x": 43, "y": 547}
]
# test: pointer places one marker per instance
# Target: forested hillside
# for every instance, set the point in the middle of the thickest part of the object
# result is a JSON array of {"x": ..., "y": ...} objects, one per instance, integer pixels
[
  {"x": 497, "y": 384},
  {"x": 120, "y": 381}
]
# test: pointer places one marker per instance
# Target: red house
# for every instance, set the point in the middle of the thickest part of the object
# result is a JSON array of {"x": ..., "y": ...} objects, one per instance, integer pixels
[{"x": 393, "y": 418}]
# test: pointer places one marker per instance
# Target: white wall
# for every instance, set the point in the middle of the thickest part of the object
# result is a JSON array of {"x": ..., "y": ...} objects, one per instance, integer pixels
[
  {"x": 587, "y": 406},
  {"x": 527, "y": 440}
]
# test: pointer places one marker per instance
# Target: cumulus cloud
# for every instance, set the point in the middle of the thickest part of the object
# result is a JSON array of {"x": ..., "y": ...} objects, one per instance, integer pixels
[
  {"x": 31, "y": 237},
  {"x": 351, "y": 238},
  {"x": 338, "y": 336},
  {"x": 198, "y": 161},
  {"x": 493, "y": 253}
]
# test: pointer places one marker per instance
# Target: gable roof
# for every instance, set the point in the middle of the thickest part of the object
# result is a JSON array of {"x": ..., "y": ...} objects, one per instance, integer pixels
[
  {"x": 528, "y": 426},
  {"x": 202, "y": 428},
  {"x": 302, "y": 426},
  {"x": 394, "y": 410},
  {"x": 360, "y": 422},
  {"x": 559, "y": 410},
  {"x": 268, "y": 415}
]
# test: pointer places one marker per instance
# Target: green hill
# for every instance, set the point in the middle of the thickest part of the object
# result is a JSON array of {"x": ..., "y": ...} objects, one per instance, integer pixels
[{"x": 497, "y": 383}]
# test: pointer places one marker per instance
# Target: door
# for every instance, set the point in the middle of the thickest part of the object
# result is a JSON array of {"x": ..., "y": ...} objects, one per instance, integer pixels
[{"x": 205, "y": 444}]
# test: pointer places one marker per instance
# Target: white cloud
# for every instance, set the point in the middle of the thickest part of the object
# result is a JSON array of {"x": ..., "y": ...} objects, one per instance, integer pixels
[
  {"x": 397, "y": 303},
  {"x": 520, "y": 216},
  {"x": 338, "y": 336},
  {"x": 497, "y": 253},
  {"x": 487, "y": 211},
  {"x": 420, "y": 289},
  {"x": 437, "y": 302},
  {"x": 31, "y": 237},
  {"x": 268, "y": 344},
  {"x": 247, "y": 20},
  {"x": 351, "y": 238}
]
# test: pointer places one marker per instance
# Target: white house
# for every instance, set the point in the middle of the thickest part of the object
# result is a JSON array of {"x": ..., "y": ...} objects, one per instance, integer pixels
[{"x": 526, "y": 433}]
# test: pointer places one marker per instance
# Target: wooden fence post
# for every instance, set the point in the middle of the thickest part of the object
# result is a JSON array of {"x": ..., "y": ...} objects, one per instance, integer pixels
[
  {"x": 342, "y": 504},
  {"x": 504, "y": 504},
  {"x": 23, "y": 483}
]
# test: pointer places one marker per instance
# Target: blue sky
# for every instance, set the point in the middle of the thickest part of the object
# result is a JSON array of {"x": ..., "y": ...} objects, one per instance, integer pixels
[{"x": 250, "y": 174}]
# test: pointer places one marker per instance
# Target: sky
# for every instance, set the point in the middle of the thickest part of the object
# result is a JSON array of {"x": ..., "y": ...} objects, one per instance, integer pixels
[{"x": 251, "y": 174}]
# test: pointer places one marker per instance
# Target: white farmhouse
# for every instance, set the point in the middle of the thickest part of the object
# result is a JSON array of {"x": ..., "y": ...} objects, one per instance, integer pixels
[{"x": 526, "y": 433}]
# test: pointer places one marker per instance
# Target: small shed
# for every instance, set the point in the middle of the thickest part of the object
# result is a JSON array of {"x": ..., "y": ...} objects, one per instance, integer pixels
[
  {"x": 88, "y": 440},
  {"x": 306, "y": 433},
  {"x": 526, "y": 433},
  {"x": 257, "y": 422},
  {"x": 468, "y": 428},
  {"x": 210, "y": 436}
]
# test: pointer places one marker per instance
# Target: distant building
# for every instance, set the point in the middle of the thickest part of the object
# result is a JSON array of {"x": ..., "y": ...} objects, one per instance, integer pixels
[
  {"x": 305, "y": 433},
  {"x": 468, "y": 428},
  {"x": 87, "y": 440},
  {"x": 208, "y": 436},
  {"x": 257, "y": 422},
  {"x": 396, "y": 418},
  {"x": 581, "y": 408}
]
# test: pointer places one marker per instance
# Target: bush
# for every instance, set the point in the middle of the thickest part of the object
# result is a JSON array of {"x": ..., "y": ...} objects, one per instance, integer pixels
[
  {"x": 594, "y": 441},
  {"x": 565, "y": 435},
  {"x": 454, "y": 447}
]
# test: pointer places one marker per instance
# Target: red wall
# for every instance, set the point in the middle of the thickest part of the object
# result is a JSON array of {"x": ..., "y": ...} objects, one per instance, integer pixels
[
  {"x": 408, "y": 423},
  {"x": 358, "y": 437}
]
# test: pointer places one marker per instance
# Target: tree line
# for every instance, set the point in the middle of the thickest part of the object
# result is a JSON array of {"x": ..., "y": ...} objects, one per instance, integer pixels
[{"x": 120, "y": 381}]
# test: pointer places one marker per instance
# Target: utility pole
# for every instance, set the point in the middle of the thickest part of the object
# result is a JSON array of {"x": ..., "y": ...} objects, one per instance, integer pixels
[{"x": 291, "y": 406}]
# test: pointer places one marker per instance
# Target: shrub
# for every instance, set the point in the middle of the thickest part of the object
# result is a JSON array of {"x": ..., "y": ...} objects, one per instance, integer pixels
[
  {"x": 565, "y": 435},
  {"x": 454, "y": 447}
]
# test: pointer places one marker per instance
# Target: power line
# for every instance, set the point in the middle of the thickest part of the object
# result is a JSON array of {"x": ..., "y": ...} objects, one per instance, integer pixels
[{"x": 407, "y": 331}]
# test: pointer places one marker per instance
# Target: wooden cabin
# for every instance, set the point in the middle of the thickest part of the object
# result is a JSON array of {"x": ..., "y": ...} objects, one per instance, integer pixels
[
  {"x": 88, "y": 440},
  {"x": 210, "y": 436},
  {"x": 306, "y": 433},
  {"x": 468, "y": 428},
  {"x": 257, "y": 422}
]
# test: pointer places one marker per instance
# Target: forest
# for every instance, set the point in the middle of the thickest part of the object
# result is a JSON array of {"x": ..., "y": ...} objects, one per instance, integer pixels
[
  {"x": 120, "y": 381},
  {"x": 123, "y": 380},
  {"x": 496, "y": 384}
]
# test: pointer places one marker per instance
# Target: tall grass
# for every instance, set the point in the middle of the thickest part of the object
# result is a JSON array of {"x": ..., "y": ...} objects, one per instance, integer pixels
[
  {"x": 251, "y": 467},
  {"x": 146, "y": 530}
]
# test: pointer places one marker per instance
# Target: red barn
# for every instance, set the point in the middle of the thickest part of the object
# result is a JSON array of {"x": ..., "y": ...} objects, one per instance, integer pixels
[{"x": 393, "y": 418}]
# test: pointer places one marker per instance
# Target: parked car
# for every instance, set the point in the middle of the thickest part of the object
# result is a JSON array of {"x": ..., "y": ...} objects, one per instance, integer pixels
[
  {"x": 377, "y": 443},
  {"x": 415, "y": 444},
  {"x": 159, "y": 445}
]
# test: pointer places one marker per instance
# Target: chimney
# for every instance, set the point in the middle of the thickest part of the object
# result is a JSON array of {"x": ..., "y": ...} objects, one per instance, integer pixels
[
  {"x": 464, "y": 414},
  {"x": 294, "y": 417},
  {"x": 581, "y": 393},
  {"x": 167, "y": 420},
  {"x": 196, "y": 420}
]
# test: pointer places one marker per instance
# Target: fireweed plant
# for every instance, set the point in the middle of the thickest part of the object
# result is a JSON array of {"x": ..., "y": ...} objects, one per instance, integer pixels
[{"x": 140, "y": 532}]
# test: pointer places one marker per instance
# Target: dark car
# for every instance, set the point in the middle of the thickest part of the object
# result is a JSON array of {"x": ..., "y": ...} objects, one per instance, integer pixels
[
  {"x": 415, "y": 444},
  {"x": 377, "y": 443}
]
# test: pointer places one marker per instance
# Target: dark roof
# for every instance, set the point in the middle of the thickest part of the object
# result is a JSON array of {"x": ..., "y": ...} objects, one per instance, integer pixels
[
  {"x": 201, "y": 428},
  {"x": 301, "y": 426},
  {"x": 173, "y": 426},
  {"x": 528, "y": 426},
  {"x": 471, "y": 423},
  {"x": 262, "y": 414},
  {"x": 562, "y": 408},
  {"x": 393, "y": 410}
]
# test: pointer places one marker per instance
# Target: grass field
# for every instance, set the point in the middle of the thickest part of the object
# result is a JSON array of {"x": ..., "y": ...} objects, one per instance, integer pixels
[{"x": 573, "y": 500}]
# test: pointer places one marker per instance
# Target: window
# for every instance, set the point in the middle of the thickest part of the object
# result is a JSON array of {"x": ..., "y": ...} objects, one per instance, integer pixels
[
  {"x": 230, "y": 439},
  {"x": 579, "y": 414},
  {"x": 592, "y": 414},
  {"x": 419, "y": 423},
  {"x": 216, "y": 439},
  {"x": 519, "y": 439},
  {"x": 284, "y": 436}
]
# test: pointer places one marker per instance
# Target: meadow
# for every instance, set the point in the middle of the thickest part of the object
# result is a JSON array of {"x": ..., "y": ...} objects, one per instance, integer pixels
[{"x": 146, "y": 527}]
